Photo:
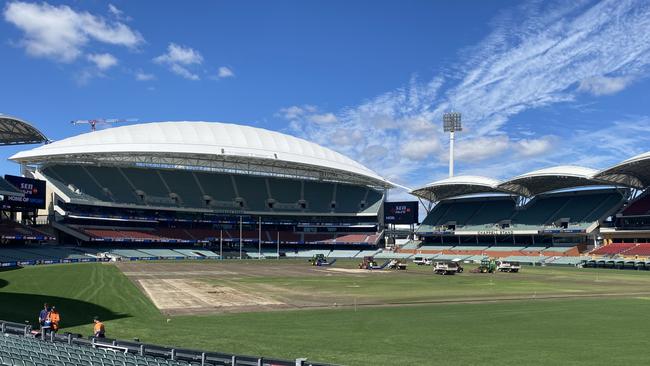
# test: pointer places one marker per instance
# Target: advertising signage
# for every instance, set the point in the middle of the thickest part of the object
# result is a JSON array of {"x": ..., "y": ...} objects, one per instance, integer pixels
[
  {"x": 33, "y": 189},
  {"x": 401, "y": 212}
]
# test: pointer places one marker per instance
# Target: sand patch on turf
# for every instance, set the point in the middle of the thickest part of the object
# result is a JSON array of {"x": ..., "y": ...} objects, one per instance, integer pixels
[{"x": 185, "y": 293}]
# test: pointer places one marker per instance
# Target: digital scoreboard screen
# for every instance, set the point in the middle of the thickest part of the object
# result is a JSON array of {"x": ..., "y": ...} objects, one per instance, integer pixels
[
  {"x": 401, "y": 212},
  {"x": 33, "y": 189}
]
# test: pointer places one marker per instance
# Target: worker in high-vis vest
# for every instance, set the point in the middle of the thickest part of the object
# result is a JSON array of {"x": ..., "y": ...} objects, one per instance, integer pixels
[
  {"x": 54, "y": 318},
  {"x": 98, "y": 329}
]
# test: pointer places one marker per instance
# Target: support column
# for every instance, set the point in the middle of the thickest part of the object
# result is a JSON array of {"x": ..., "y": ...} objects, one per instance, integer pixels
[
  {"x": 259, "y": 238},
  {"x": 241, "y": 240}
]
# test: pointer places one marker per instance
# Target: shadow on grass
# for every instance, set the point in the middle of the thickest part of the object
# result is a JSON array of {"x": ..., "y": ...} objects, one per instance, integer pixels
[
  {"x": 3, "y": 283},
  {"x": 20, "y": 308}
]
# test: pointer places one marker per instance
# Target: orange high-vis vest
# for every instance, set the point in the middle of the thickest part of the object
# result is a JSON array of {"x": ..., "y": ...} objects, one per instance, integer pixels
[
  {"x": 99, "y": 327},
  {"x": 54, "y": 319}
]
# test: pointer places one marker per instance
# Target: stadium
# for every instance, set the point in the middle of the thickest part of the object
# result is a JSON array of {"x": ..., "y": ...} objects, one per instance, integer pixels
[{"x": 209, "y": 243}]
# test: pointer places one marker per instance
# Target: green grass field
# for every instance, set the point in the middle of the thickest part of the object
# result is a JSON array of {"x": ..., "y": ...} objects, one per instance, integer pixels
[{"x": 607, "y": 328}]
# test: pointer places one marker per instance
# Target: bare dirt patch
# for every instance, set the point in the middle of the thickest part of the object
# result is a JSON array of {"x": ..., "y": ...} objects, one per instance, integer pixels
[
  {"x": 169, "y": 294},
  {"x": 185, "y": 288}
]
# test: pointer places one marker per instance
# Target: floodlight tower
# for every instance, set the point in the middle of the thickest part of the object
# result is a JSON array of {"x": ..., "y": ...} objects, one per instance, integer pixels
[{"x": 451, "y": 123}]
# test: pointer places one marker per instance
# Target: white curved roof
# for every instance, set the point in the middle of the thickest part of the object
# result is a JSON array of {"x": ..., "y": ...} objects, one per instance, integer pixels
[
  {"x": 14, "y": 131},
  {"x": 634, "y": 172},
  {"x": 551, "y": 179},
  {"x": 455, "y": 186},
  {"x": 211, "y": 140}
]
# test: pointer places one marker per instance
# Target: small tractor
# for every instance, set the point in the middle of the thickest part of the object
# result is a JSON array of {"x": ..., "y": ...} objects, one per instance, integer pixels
[
  {"x": 488, "y": 265},
  {"x": 447, "y": 268},
  {"x": 320, "y": 260},
  {"x": 368, "y": 263}
]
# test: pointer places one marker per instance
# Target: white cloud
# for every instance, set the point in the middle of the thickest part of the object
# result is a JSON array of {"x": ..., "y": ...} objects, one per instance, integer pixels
[
  {"x": 418, "y": 150},
  {"x": 293, "y": 112},
  {"x": 536, "y": 62},
  {"x": 61, "y": 33},
  {"x": 536, "y": 147},
  {"x": 179, "y": 54},
  {"x": 536, "y": 55},
  {"x": 103, "y": 61},
  {"x": 481, "y": 148},
  {"x": 184, "y": 72},
  {"x": 143, "y": 76},
  {"x": 602, "y": 85},
  {"x": 225, "y": 72},
  {"x": 178, "y": 58},
  {"x": 117, "y": 13},
  {"x": 325, "y": 118}
]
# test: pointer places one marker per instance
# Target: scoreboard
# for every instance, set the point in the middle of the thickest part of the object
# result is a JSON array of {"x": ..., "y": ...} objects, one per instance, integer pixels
[
  {"x": 33, "y": 189},
  {"x": 405, "y": 212}
]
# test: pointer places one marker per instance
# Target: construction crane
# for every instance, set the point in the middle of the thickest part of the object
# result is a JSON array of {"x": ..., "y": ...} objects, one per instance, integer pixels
[{"x": 100, "y": 121}]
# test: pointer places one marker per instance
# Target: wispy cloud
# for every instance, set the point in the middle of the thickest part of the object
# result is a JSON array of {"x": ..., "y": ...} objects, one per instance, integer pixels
[
  {"x": 538, "y": 54},
  {"x": 225, "y": 72},
  {"x": 118, "y": 13},
  {"x": 103, "y": 61},
  {"x": 143, "y": 76},
  {"x": 179, "y": 58},
  {"x": 602, "y": 85},
  {"x": 61, "y": 33}
]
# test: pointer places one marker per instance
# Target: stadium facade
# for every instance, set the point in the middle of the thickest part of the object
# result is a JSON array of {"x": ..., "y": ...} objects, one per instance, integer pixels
[
  {"x": 562, "y": 210},
  {"x": 182, "y": 182}
]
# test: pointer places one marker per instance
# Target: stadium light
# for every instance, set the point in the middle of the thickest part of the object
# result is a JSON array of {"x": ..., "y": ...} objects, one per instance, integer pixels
[{"x": 451, "y": 123}]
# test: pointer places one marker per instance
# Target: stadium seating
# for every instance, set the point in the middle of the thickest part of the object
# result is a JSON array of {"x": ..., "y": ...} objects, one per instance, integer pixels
[
  {"x": 7, "y": 187},
  {"x": 183, "y": 184},
  {"x": 12, "y": 230},
  {"x": 613, "y": 249},
  {"x": 391, "y": 255},
  {"x": 492, "y": 211},
  {"x": 285, "y": 191},
  {"x": 22, "y": 351},
  {"x": 579, "y": 208},
  {"x": 526, "y": 259},
  {"x": 194, "y": 189},
  {"x": 163, "y": 253},
  {"x": 565, "y": 261},
  {"x": 343, "y": 253},
  {"x": 253, "y": 191},
  {"x": 318, "y": 196},
  {"x": 19, "y": 349},
  {"x": 640, "y": 206},
  {"x": 114, "y": 183},
  {"x": 410, "y": 245},
  {"x": 639, "y": 249},
  {"x": 349, "y": 198},
  {"x": 123, "y": 235},
  {"x": 218, "y": 187}
]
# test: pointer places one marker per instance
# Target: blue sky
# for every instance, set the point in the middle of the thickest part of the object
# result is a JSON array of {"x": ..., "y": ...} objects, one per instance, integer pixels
[{"x": 539, "y": 83}]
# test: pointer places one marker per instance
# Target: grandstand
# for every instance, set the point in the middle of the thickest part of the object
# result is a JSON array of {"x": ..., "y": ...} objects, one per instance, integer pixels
[
  {"x": 203, "y": 182},
  {"x": 548, "y": 213}
]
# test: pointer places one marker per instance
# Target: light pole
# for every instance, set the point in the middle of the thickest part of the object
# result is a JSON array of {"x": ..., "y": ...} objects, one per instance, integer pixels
[{"x": 451, "y": 123}]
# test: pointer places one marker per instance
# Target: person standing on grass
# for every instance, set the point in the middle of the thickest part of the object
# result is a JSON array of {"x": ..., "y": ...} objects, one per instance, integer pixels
[{"x": 98, "y": 328}]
